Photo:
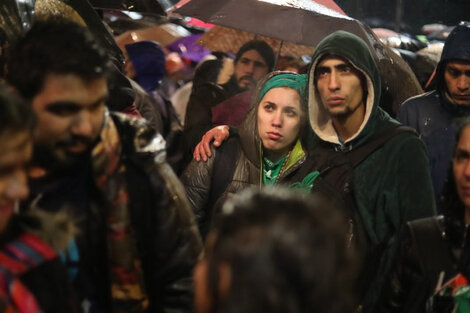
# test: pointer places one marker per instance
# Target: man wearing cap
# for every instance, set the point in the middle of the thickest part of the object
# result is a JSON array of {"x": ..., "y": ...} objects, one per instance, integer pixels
[
  {"x": 434, "y": 113},
  {"x": 254, "y": 59}
]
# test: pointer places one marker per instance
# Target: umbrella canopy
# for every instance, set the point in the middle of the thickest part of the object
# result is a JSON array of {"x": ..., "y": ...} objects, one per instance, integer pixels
[
  {"x": 303, "y": 22},
  {"x": 227, "y": 39},
  {"x": 306, "y": 22},
  {"x": 164, "y": 34},
  {"x": 188, "y": 48},
  {"x": 146, "y": 6}
]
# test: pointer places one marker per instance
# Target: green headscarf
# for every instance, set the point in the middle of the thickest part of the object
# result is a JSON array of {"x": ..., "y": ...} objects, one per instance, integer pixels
[{"x": 295, "y": 81}]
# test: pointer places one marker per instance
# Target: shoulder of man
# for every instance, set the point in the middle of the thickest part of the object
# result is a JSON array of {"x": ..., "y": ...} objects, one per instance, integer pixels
[{"x": 417, "y": 101}]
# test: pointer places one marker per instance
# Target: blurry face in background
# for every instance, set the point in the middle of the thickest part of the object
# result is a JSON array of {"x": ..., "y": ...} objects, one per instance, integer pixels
[
  {"x": 279, "y": 121},
  {"x": 461, "y": 167},
  {"x": 457, "y": 78},
  {"x": 70, "y": 113},
  {"x": 15, "y": 154},
  {"x": 249, "y": 69}
]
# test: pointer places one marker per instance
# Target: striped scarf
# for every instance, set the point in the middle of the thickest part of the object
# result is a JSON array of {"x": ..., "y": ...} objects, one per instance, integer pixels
[{"x": 127, "y": 287}]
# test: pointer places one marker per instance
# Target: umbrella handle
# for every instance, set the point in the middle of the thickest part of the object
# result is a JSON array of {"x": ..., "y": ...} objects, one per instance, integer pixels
[{"x": 278, "y": 54}]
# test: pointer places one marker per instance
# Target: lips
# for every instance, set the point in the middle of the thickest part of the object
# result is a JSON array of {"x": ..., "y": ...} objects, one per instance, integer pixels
[
  {"x": 335, "y": 100},
  {"x": 274, "y": 135},
  {"x": 77, "y": 148}
]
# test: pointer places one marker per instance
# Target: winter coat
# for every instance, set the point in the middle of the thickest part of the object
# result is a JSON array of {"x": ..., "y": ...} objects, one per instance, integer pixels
[
  {"x": 392, "y": 185},
  {"x": 167, "y": 240},
  {"x": 434, "y": 116},
  {"x": 431, "y": 247},
  {"x": 199, "y": 177}
]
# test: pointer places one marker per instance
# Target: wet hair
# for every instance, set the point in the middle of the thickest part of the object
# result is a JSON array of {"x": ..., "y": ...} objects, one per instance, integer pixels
[
  {"x": 286, "y": 251},
  {"x": 16, "y": 115},
  {"x": 262, "y": 48},
  {"x": 54, "y": 47}
]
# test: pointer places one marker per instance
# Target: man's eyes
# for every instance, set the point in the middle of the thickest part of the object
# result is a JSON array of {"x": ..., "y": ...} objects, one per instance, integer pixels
[{"x": 63, "y": 110}]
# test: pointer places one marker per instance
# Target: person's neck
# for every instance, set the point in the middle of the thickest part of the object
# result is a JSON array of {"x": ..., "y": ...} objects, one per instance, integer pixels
[
  {"x": 347, "y": 126},
  {"x": 275, "y": 156}
]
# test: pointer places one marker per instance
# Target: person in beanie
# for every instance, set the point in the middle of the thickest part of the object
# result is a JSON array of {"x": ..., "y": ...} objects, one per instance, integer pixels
[
  {"x": 434, "y": 113},
  {"x": 254, "y": 60},
  {"x": 267, "y": 151}
]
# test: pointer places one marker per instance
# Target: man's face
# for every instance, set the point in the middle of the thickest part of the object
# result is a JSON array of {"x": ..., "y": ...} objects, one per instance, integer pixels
[
  {"x": 461, "y": 167},
  {"x": 70, "y": 113},
  {"x": 339, "y": 87},
  {"x": 457, "y": 77},
  {"x": 15, "y": 155},
  {"x": 249, "y": 69}
]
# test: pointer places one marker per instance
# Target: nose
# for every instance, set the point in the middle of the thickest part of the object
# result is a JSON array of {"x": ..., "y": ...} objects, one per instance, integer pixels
[
  {"x": 463, "y": 82},
  {"x": 17, "y": 186},
  {"x": 467, "y": 169},
  {"x": 250, "y": 67},
  {"x": 333, "y": 81},
  {"x": 277, "y": 119},
  {"x": 82, "y": 125}
]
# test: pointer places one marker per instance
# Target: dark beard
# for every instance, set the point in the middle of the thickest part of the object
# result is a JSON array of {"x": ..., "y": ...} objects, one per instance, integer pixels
[{"x": 44, "y": 158}]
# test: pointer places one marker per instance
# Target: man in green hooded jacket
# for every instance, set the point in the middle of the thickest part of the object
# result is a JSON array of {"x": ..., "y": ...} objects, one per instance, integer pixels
[{"x": 392, "y": 185}]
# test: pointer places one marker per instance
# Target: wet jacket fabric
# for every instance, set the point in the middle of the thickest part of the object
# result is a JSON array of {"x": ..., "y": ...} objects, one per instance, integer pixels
[
  {"x": 198, "y": 178},
  {"x": 392, "y": 185},
  {"x": 166, "y": 238},
  {"x": 434, "y": 116}
]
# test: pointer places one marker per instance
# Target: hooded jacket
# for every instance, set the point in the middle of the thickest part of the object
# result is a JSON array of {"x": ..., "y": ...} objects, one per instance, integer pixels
[
  {"x": 198, "y": 178},
  {"x": 434, "y": 116},
  {"x": 392, "y": 185}
]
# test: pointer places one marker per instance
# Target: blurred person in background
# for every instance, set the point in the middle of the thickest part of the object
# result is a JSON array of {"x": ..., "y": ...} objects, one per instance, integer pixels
[
  {"x": 276, "y": 251},
  {"x": 137, "y": 241}
]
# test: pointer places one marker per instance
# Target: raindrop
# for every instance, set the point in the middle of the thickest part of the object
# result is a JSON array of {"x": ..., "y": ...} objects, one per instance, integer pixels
[{"x": 426, "y": 121}]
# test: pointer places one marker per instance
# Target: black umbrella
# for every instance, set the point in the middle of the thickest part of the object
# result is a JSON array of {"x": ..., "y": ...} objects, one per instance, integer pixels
[{"x": 144, "y": 6}]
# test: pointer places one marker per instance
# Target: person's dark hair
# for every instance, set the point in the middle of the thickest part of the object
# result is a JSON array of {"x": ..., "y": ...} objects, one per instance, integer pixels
[
  {"x": 54, "y": 47},
  {"x": 16, "y": 115},
  {"x": 262, "y": 48},
  {"x": 286, "y": 251}
]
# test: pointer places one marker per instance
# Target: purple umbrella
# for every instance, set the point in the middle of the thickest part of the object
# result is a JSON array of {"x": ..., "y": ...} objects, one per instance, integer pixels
[{"x": 187, "y": 48}]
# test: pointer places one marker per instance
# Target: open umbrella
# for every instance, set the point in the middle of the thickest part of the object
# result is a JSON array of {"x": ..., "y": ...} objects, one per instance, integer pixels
[
  {"x": 303, "y": 22},
  {"x": 145, "y": 6},
  {"x": 227, "y": 39},
  {"x": 306, "y": 22},
  {"x": 165, "y": 34}
]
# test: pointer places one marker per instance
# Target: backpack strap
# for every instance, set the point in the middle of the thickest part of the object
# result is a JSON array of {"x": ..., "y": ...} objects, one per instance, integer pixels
[
  {"x": 224, "y": 167},
  {"x": 359, "y": 154}
]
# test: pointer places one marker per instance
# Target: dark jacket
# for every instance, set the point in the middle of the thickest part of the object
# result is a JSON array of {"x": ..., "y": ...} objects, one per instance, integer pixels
[
  {"x": 434, "y": 116},
  {"x": 392, "y": 185},
  {"x": 199, "y": 178},
  {"x": 198, "y": 113},
  {"x": 168, "y": 243},
  {"x": 431, "y": 247}
]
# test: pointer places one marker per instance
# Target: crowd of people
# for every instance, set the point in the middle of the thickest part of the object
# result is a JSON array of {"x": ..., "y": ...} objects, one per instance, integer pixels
[{"x": 281, "y": 191}]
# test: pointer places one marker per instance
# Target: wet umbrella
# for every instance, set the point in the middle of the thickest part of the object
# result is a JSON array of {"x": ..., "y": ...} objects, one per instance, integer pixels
[
  {"x": 165, "y": 34},
  {"x": 303, "y": 22},
  {"x": 306, "y": 22},
  {"x": 17, "y": 16},
  {"x": 227, "y": 39},
  {"x": 146, "y": 6}
]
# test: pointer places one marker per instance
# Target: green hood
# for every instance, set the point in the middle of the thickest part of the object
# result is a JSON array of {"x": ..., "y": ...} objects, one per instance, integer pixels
[{"x": 355, "y": 50}]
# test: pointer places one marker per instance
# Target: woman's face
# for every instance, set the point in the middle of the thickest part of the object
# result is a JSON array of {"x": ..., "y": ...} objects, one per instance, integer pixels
[{"x": 279, "y": 119}]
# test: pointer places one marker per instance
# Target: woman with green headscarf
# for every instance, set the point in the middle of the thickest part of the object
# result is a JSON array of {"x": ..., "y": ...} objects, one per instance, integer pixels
[{"x": 268, "y": 149}]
